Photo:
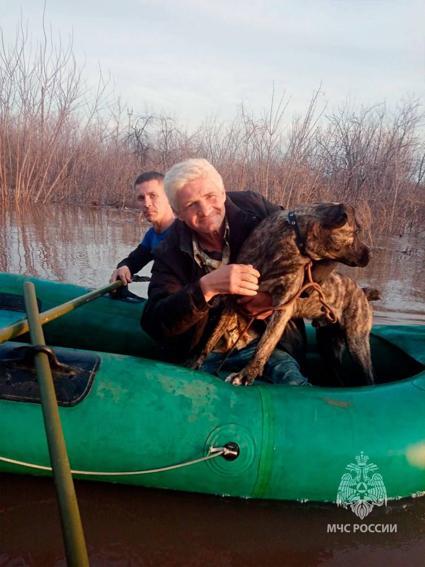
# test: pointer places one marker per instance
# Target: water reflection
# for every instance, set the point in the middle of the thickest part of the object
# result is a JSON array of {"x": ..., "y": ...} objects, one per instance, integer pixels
[
  {"x": 397, "y": 269},
  {"x": 125, "y": 526},
  {"x": 67, "y": 243},
  {"x": 83, "y": 245}
]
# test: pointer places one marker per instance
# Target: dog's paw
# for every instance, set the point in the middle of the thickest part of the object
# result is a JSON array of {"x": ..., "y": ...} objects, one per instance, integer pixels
[
  {"x": 234, "y": 379},
  {"x": 195, "y": 363},
  {"x": 239, "y": 379}
]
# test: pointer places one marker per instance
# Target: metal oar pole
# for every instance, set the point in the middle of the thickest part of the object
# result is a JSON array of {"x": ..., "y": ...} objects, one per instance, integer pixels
[
  {"x": 75, "y": 545},
  {"x": 21, "y": 327}
]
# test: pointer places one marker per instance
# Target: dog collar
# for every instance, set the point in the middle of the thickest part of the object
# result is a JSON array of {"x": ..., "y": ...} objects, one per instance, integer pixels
[{"x": 292, "y": 219}]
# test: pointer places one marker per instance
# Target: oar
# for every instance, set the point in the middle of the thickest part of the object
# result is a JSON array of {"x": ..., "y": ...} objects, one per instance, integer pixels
[
  {"x": 21, "y": 327},
  {"x": 75, "y": 545}
]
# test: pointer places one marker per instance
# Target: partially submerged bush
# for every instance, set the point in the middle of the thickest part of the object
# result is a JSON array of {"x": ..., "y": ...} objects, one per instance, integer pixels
[{"x": 62, "y": 142}]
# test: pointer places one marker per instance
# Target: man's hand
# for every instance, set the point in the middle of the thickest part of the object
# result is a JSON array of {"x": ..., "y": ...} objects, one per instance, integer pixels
[
  {"x": 122, "y": 274},
  {"x": 258, "y": 304},
  {"x": 238, "y": 279}
]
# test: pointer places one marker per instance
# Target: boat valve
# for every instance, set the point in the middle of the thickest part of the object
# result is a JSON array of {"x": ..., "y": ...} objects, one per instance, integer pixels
[{"x": 231, "y": 451}]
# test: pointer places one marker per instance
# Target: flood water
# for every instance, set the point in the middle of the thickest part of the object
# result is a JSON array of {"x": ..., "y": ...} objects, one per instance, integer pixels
[{"x": 128, "y": 526}]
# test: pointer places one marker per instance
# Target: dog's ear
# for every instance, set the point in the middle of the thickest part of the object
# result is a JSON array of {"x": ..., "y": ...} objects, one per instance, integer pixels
[{"x": 334, "y": 215}]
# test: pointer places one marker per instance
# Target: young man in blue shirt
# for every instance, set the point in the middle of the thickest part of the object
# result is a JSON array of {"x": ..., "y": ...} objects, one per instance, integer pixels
[{"x": 154, "y": 206}]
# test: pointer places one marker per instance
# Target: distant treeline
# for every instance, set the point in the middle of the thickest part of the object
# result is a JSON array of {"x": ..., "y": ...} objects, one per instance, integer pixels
[{"x": 61, "y": 142}]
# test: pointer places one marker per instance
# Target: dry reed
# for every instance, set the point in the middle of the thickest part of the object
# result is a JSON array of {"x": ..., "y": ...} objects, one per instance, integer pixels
[{"x": 60, "y": 142}]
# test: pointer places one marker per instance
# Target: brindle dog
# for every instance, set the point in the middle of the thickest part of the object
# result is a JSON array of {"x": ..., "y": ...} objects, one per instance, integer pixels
[
  {"x": 354, "y": 317},
  {"x": 280, "y": 247}
]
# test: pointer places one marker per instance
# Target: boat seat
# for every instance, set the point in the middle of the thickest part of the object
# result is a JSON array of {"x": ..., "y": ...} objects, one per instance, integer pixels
[
  {"x": 73, "y": 373},
  {"x": 14, "y": 302}
]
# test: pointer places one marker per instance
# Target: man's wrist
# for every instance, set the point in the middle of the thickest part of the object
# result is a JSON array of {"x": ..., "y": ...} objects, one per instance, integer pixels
[{"x": 208, "y": 293}]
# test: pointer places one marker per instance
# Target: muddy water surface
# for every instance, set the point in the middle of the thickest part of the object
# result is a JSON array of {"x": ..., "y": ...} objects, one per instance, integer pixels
[{"x": 133, "y": 526}]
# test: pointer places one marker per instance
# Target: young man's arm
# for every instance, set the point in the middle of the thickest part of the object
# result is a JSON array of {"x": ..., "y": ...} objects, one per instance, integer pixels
[{"x": 135, "y": 261}]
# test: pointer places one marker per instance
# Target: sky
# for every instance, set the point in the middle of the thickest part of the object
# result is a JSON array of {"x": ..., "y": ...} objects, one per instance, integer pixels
[{"x": 196, "y": 59}]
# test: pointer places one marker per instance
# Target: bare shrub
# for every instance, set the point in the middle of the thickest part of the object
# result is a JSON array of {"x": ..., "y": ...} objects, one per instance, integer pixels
[
  {"x": 60, "y": 141},
  {"x": 374, "y": 155},
  {"x": 54, "y": 141}
]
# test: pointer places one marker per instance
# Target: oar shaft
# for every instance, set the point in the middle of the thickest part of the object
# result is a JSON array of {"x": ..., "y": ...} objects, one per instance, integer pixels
[
  {"x": 21, "y": 327},
  {"x": 75, "y": 545}
]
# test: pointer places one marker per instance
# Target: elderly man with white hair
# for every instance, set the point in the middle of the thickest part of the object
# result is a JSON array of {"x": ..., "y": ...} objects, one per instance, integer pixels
[{"x": 196, "y": 264}]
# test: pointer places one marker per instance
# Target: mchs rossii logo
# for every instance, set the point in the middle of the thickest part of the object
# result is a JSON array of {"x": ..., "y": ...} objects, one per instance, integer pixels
[{"x": 361, "y": 489}]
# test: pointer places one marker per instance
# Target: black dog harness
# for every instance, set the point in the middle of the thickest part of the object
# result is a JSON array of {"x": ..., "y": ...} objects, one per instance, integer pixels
[{"x": 292, "y": 219}]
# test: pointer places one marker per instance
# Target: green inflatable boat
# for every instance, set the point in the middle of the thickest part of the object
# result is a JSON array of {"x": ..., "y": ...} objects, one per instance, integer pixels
[{"x": 130, "y": 418}]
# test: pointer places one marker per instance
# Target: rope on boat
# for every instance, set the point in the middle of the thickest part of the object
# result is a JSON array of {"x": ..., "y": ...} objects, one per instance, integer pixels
[{"x": 213, "y": 453}]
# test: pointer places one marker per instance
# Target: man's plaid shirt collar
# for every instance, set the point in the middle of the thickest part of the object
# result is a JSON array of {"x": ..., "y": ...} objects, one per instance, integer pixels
[{"x": 203, "y": 259}]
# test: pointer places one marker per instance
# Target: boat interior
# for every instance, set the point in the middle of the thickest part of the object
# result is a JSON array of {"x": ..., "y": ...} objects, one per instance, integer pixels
[
  {"x": 74, "y": 370},
  {"x": 390, "y": 364}
]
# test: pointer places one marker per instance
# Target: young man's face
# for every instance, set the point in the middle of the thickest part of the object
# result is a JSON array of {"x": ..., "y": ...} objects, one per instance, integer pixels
[
  {"x": 152, "y": 200},
  {"x": 201, "y": 206}
]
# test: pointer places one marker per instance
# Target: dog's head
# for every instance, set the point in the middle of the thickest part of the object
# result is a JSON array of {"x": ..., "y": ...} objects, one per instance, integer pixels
[{"x": 333, "y": 233}]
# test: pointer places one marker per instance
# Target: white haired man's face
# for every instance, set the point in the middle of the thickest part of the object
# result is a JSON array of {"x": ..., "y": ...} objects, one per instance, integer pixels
[{"x": 200, "y": 205}]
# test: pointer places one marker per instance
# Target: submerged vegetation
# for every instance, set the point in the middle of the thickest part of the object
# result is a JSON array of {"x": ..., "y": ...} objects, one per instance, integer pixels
[{"x": 59, "y": 141}]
